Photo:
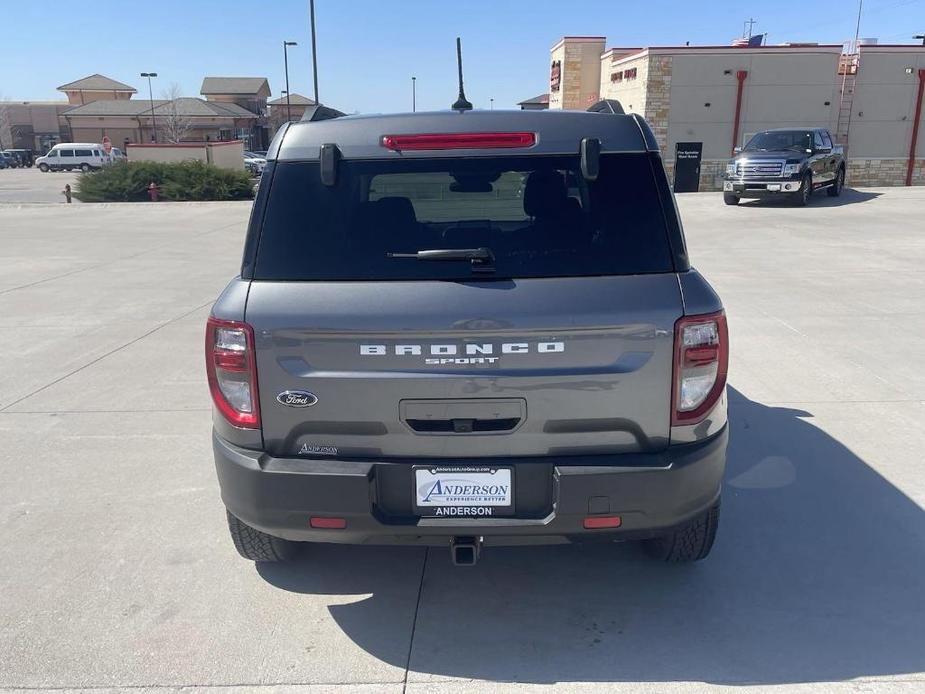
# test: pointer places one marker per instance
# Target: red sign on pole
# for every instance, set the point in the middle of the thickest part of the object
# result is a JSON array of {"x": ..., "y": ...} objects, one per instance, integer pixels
[{"x": 107, "y": 145}]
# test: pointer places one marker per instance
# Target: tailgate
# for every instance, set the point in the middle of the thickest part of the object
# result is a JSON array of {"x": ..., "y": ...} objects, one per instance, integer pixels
[{"x": 525, "y": 367}]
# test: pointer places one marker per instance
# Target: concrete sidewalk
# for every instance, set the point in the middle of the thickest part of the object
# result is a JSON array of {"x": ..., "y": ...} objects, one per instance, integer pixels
[{"x": 116, "y": 570}]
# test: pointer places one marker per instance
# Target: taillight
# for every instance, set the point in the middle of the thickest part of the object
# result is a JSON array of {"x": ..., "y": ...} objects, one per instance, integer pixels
[
  {"x": 701, "y": 360},
  {"x": 232, "y": 371},
  {"x": 426, "y": 141}
]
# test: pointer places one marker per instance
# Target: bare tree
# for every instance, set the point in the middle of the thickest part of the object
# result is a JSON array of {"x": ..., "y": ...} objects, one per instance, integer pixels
[
  {"x": 172, "y": 123},
  {"x": 6, "y": 122}
]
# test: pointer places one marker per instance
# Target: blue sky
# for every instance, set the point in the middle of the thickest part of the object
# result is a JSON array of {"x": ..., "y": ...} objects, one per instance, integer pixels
[{"x": 368, "y": 49}]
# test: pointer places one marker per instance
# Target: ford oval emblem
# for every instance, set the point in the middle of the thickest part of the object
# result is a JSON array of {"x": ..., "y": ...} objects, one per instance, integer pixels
[{"x": 296, "y": 398}]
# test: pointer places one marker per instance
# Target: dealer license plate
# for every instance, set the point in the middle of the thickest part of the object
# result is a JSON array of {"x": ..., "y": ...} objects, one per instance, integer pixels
[{"x": 463, "y": 492}]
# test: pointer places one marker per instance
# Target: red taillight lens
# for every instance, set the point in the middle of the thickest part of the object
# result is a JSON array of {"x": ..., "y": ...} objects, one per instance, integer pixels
[
  {"x": 232, "y": 371},
  {"x": 401, "y": 143},
  {"x": 701, "y": 347}
]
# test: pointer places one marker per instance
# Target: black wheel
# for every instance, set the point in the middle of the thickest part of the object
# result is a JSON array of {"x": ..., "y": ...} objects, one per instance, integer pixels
[
  {"x": 43, "y": 168},
  {"x": 802, "y": 196},
  {"x": 257, "y": 546},
  {"x": 835, "y": 189},
  {"x": 730, "y": 199},
  {"x": 85, "y": 168},
  {"x": 690, "y": 542}
]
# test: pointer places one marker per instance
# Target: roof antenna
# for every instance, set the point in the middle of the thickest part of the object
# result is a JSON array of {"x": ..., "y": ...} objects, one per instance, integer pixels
[{"x": 461, "y": 103}]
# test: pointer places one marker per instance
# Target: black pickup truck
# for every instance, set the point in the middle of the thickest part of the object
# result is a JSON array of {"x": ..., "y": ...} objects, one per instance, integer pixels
[{"x": 790, "y": 161}]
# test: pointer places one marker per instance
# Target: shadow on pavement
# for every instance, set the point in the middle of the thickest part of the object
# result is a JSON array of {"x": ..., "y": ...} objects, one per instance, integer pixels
[
  {"x": 849, "y": 196},
  {"x": 817, "y": 575}
]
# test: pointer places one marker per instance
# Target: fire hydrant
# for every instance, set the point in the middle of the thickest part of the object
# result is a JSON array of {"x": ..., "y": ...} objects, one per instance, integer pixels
[
  {"x": 67, "y": 192},
  {"x": 152, "y": 191}
]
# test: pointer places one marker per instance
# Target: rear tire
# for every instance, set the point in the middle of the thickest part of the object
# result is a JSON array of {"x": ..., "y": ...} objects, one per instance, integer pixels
[
  {"x": 85, "y": 168},
  {"x": 690, "y": 542},
  {"x": 730, "y": 199},
  {"x": 258, "y": 546},
  {"x": 835, "y": 189}
]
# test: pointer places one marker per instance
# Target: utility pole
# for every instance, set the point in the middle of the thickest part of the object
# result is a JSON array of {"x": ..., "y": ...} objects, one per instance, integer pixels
[
  {"x": 414, "y": 94},
  {"x": 747, "y": 28},
  {"x": 149, "y": 75},
  {"x": 286, "y": 45},
  {"x": 311, "y": 9}
]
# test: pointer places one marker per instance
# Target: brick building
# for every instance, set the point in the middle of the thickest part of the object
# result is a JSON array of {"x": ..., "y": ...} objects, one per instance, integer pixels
[{"x": 717, "y": 97}]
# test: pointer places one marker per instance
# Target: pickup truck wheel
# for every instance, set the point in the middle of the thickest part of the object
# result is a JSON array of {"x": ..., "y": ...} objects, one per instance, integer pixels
[
  {"x": 801, "y": 197},
  {"x": 690, "y": 542},
  {"x": 730, "y": 199},
  {"x": 257, "y": 546},
  {"x": 835, "y": 189}
]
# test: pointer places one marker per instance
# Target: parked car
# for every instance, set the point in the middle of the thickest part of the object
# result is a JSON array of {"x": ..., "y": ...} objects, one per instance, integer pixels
[
  {"x": 789, "y": 161},
  {"x": 116, "y": 155},
  {"x": 470, "y": 328},
  {"x": 23, "y": 156},
  {"x": 3, "y": 162},
  {"x": 9, "y": 159},
  {"x": 73, "y": 155},
  {"x": 254, "y": 163}
]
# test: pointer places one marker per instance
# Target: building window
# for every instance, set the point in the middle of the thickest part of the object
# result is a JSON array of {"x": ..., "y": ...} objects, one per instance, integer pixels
[
  {"x": 629, "y": 74},
  {"x": 616, "y": 76},
  {"x": 224, "y": 134}
]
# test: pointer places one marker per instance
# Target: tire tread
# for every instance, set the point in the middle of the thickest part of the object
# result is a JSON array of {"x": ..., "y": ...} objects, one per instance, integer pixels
[{"x": 258, "y": 546}]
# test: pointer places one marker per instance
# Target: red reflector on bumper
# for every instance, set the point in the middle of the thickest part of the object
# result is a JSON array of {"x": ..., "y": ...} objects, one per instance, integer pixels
[
  {"x": 596, "y": 522},
  {"x": 328, "y": 523}
]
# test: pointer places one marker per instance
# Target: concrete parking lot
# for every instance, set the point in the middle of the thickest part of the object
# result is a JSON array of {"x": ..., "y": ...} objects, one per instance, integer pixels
[
  {"x": 31, "y": 185},
  {"x": 116, "y": 571}
]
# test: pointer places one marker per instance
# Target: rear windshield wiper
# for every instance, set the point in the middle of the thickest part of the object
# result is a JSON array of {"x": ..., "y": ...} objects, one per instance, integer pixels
[{"x": 482, "y": 259}]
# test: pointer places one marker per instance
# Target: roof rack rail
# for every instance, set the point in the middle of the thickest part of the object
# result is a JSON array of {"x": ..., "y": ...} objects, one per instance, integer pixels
[
  {"x": 319, "y": 112},
  {"x": 607, "y": 106}
]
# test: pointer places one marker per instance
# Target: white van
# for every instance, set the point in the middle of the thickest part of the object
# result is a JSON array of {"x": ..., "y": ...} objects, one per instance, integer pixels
[{"x": 73, "y": 155}]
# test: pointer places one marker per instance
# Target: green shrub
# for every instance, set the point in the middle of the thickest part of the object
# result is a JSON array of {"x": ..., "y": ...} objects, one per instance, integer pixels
[{"x": 187, "y": 180}]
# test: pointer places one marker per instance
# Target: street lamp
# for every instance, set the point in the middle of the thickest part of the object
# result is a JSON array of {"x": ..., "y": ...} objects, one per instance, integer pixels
[
  {"x": 414, "y": 94},
  {"x": 491, "y": 106},
  {"x": 311, "y": 10},
  {"x": 149, "y": 75},
  {"x": 286, "y": 45}
]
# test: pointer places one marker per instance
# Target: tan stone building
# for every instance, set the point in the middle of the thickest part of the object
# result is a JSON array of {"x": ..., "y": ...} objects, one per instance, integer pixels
[
  {"x": 717, "y": 97},
  {"x": 96, "y": 87},
  {"x": 280, "y": 109}
]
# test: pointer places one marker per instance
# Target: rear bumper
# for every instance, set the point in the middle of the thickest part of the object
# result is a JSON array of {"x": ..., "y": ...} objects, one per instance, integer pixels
[{"x": 652, "y": 492}]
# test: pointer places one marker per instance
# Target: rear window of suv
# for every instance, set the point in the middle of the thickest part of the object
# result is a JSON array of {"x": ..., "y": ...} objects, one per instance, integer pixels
[{"x": 537, "y": 215}]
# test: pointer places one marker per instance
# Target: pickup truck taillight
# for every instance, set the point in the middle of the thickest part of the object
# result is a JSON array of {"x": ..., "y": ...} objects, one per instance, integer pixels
[
  {"x": 232, "y": 371},
  {"x": 701, "y": 349}
]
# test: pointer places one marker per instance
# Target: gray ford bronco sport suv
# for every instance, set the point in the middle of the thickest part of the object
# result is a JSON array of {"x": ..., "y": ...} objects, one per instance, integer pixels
[{"x": 467, "y": 329}]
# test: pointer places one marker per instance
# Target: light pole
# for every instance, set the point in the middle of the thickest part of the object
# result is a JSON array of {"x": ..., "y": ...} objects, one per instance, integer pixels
[
  {"x": 149, "y": 75},
  {"x": 491, "y": 104},
  {"x": 414, "y": 94},
  {"x": 286, "y": 45},
  {"x": 311, "y": 9}
]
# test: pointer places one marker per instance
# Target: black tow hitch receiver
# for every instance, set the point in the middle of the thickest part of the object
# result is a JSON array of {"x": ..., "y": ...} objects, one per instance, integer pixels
[{"x": 465, "y": 551}]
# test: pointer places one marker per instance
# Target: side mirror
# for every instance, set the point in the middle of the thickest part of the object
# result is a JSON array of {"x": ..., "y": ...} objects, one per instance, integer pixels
[
  {"x": 736, "y": 150},
  {"x": 590, "y": 150}
]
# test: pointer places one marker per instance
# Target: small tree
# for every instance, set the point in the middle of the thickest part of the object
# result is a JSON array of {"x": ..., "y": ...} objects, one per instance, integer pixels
[
  {"x": 172, "y": 123},
  {"x": 6, "y": 121}
]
